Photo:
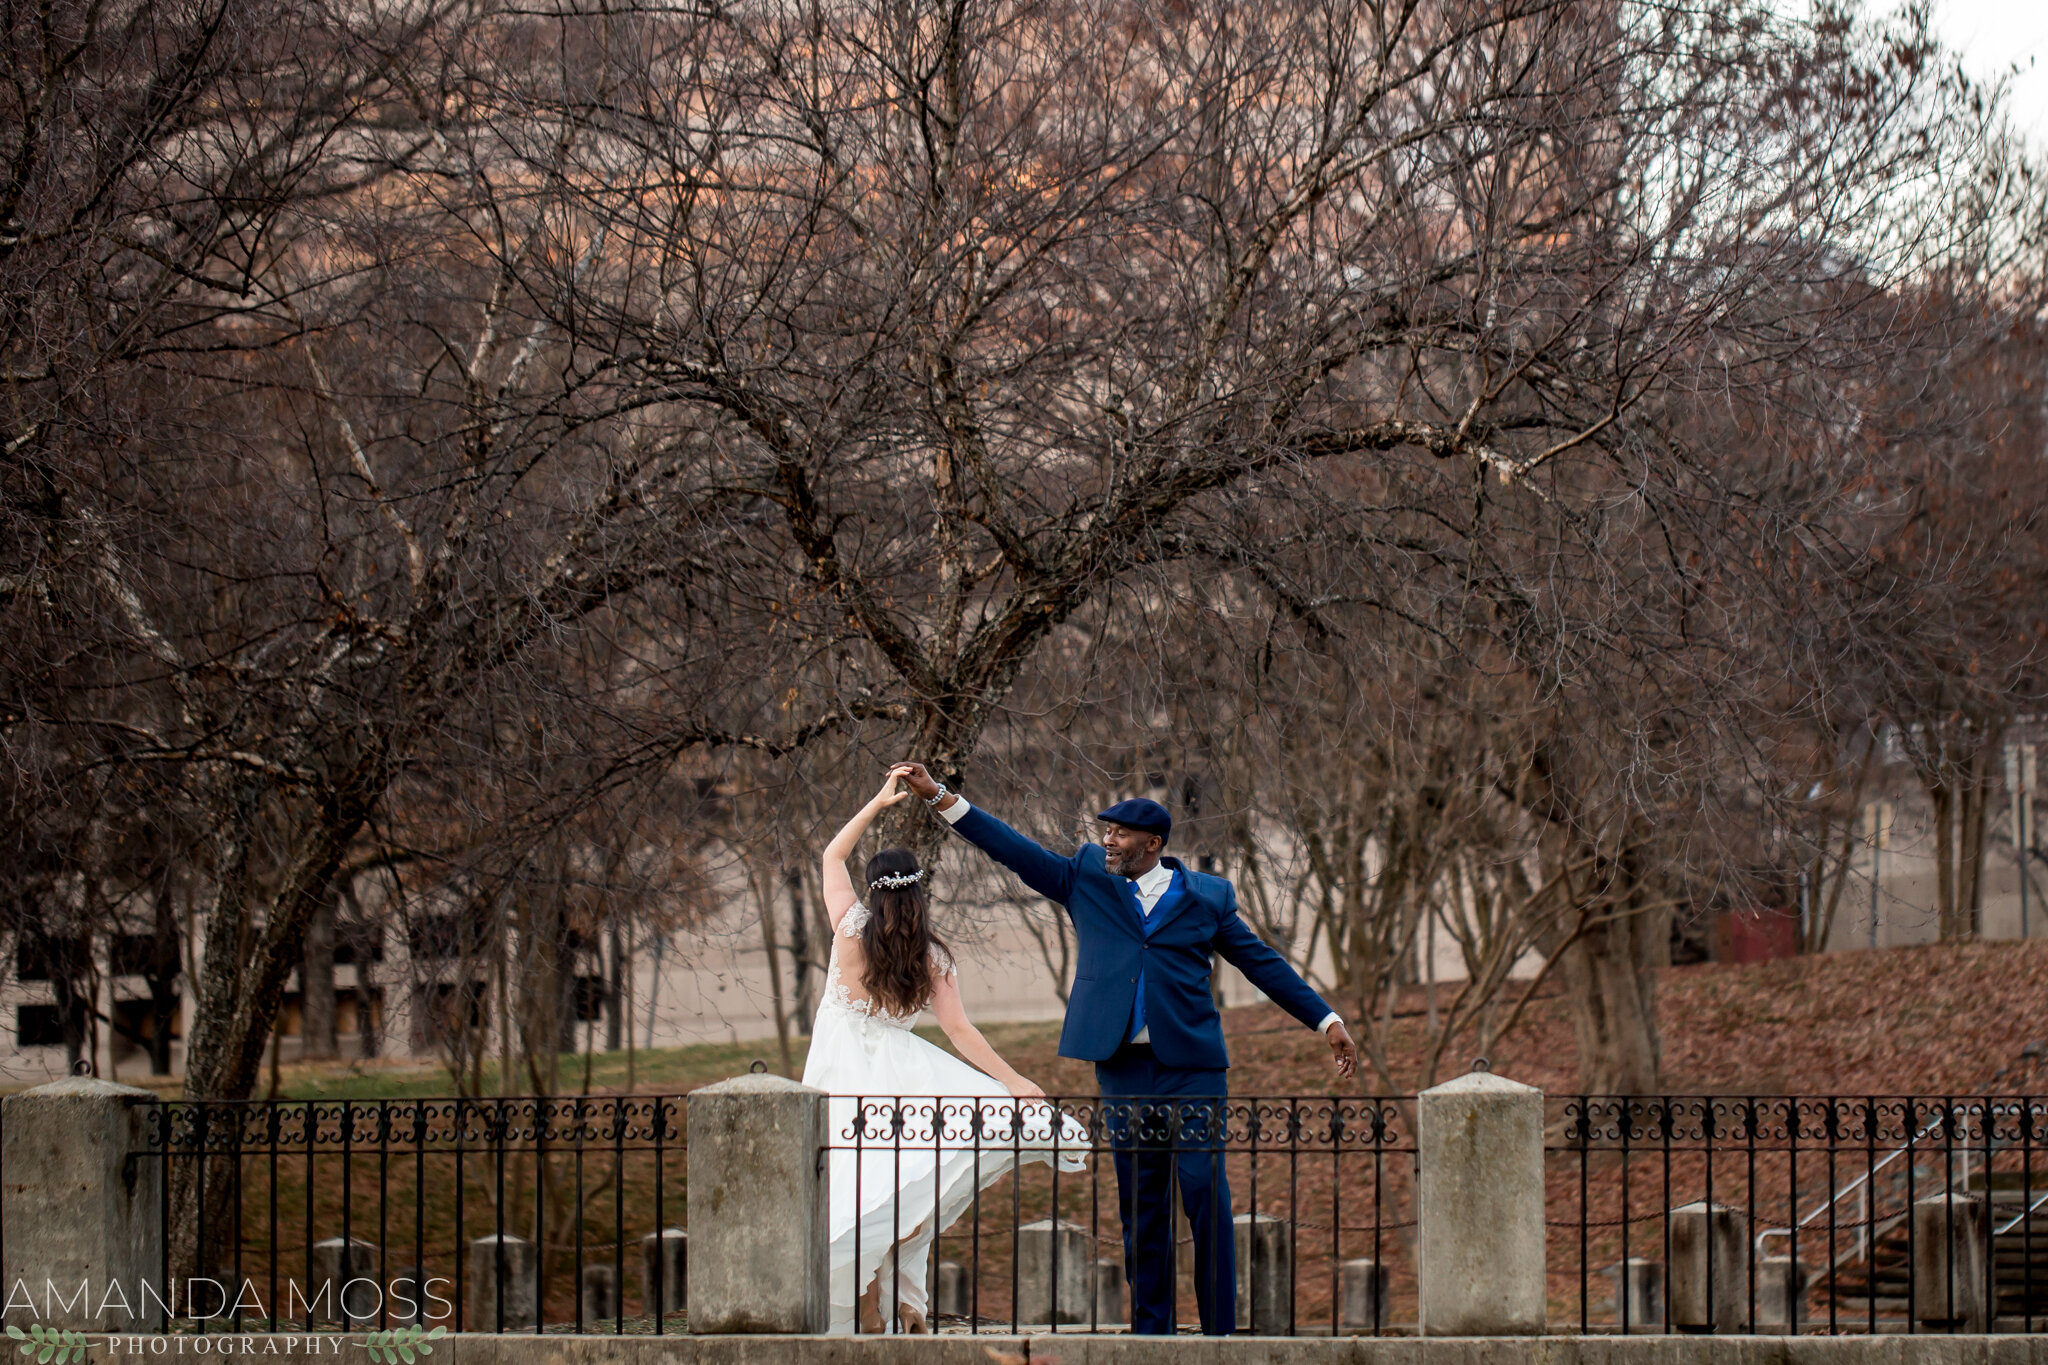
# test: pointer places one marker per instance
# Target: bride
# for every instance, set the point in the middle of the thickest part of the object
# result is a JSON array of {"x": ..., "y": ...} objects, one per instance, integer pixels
[{"x": 890, "y": 1196}]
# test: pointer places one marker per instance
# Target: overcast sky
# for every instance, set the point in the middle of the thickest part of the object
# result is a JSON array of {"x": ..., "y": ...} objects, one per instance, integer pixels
[{"x": 1993, "y": 35}]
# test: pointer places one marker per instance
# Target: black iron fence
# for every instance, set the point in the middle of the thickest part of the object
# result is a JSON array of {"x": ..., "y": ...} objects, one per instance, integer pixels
[
  {"x": 491, "y": 1214},
  {"x": 1778, "y": 1214},
  {"x": 1307, "y": 1230},
  {"x": 1665, "y": 1214}
]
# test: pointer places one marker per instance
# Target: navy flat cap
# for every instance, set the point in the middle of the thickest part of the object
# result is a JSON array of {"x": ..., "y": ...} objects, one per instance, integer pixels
[{"x": 1140, "y": 814}]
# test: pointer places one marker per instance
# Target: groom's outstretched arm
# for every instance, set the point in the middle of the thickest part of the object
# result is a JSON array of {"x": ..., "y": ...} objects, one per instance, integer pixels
[
  {"x": 1238, "y": 945},
  {"x": 1044, "y": 871},
  {"x": 1270, "y": 972}
]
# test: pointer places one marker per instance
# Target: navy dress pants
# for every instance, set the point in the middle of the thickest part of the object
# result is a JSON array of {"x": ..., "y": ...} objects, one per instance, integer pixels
[{"x": 1166, "y": 1126}]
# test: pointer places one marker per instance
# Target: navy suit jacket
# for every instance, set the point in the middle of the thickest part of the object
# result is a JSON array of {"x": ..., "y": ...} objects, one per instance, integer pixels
[{"x": 1176, "y": 957}]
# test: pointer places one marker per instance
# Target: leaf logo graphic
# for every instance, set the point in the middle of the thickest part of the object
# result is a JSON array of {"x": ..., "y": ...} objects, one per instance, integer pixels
[
  {"x": 50, "y": 1344},
  {"x": 402, "y": 1344}
]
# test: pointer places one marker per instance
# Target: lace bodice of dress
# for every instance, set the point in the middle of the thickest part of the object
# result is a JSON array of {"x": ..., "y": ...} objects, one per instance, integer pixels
[{"x": 837, "y": 995}]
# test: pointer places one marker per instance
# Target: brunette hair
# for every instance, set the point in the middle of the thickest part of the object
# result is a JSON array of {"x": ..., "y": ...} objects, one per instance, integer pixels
[{"x": 898, "y": 939}]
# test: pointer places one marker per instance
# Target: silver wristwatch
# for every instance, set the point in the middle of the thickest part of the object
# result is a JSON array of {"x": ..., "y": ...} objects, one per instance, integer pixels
[{"x": 941, "y": 794}]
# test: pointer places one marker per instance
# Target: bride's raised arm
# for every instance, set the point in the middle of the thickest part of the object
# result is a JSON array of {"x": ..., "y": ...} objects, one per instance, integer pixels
[{"x": 839, "y": 892}]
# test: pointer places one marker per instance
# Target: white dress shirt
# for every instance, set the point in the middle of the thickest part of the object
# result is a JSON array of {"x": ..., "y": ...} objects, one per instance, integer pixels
[{"x": 1149, "y": 886}]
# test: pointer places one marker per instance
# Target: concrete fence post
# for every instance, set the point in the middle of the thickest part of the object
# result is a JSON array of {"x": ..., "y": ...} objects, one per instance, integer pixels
[
  {"x": 1109, "y": 1292},
  {"x": 82, "y": 1204},
  {"x": 337, "y": 1264},
  {"x": 1055, "y": 1262},
  {"x": 757, "y": 1207},
  {"x": 1781, "y": 1286},
  {"x": 503, "y": 1292},
  {"x": 1709, "y": 1268},
  {"x": 600, "y": 1295},
  {"x": 1361, "y": 1295},
  {"x": 1949, "y": 1289},
  {"x": 1265, "y": 1273},
  {"x": 1639, "y": 1292},
  {"x": 664, "y": 1262},
  {"x": 950, "y": 1292},
  {"x": 407, "y": 1296},
  {"x": 1481, "y": 1246}
]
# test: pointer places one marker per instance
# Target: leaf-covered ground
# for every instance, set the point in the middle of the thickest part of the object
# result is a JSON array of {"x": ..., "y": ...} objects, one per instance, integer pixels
[{"x": 1939, "y": 1019}]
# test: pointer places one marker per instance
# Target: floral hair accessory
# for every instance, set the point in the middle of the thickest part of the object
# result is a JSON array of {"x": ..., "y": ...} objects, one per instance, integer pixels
[{"x": 896, "y": 881}]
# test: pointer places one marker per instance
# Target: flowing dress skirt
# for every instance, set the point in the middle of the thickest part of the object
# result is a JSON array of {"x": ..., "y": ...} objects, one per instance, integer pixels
[{"x": 905, "y": 1158}]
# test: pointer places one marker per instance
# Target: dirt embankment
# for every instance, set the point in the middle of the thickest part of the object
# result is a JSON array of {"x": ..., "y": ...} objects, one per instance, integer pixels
[{"x": 1930, "y": 1020}]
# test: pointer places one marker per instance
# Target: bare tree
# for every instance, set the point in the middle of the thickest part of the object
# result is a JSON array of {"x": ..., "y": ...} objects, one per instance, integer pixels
[{"x": 491, "y": 435}]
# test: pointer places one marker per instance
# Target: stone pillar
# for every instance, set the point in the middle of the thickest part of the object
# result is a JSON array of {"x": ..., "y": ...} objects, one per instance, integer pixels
[
  {"x": 1046, "y": 1253},
  {"x": 1265, "y": 1273},
  {"x": 502, "y": 1266},
  {"x": 1481, "y": 1243},
  {"x": 950, "y": 1294},
  {"x": 1781, "y": 1285},
  {"x": 599, "y": 1292},
  {"x": 1109, "y": 1293},
  {"x": 335, "y": 1264},
  {"x": 757, "y": 1207},
  {"x": 79, "y": 1204},
  {"x": 664, "y": 1259},
  {"x": 1709, "y": 1269},
  {"x": 1949, "y": 1289},
  {"x": 1643, "y": 1283},
  {"x": 1361, "y": 1295}
]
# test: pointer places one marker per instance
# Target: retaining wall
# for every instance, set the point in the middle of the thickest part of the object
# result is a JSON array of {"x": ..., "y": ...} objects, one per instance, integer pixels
[{"x": 478, "y": 1348}]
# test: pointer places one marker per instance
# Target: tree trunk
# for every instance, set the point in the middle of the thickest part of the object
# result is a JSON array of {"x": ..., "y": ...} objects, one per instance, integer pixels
[
  {"x": 1608, "y": 979},
  {"x": 799, "y": 951},
  {"x": 166, "y": 970},
  {"x": 1955, "y": 767},
  {"x": 615, "y": 993},
  {"x": 250, "y": 953},
  {"x": 764, "y": 896},
  {"x": 1948, "y": 905},
  {"x": 73, "y": 986},
  {"x": 1976, "y": 802},
  {"x": 369, "y": 1040},
  {"x": 317, "y": 1033}
]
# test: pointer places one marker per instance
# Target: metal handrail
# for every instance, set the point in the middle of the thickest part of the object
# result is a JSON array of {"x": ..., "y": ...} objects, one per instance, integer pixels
[
  {"x": 1992, "y": 1110},
  {"x": 2021, "y": 1216},
  {"x": 1835, "y": 1198}
]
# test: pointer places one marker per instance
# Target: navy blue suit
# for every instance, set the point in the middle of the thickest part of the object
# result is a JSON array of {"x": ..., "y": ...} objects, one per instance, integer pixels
[{"x": 1161, "y": 1109}]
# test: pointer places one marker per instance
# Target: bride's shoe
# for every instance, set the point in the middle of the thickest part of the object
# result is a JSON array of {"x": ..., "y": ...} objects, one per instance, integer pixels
[
  {"x": 912, "y": 1320},
  {"x": 870, "y": 1309}
]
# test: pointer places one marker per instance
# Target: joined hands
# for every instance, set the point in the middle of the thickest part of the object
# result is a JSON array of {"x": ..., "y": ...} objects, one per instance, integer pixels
[{"x": 922, "y": 783}]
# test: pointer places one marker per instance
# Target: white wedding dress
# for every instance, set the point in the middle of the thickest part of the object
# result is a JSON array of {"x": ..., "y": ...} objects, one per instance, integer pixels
[{"x": 905, "y": 1162}]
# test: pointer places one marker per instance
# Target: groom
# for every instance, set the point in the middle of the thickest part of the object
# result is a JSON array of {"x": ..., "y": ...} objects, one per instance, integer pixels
[{"x": 1143, "y": 1011}]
